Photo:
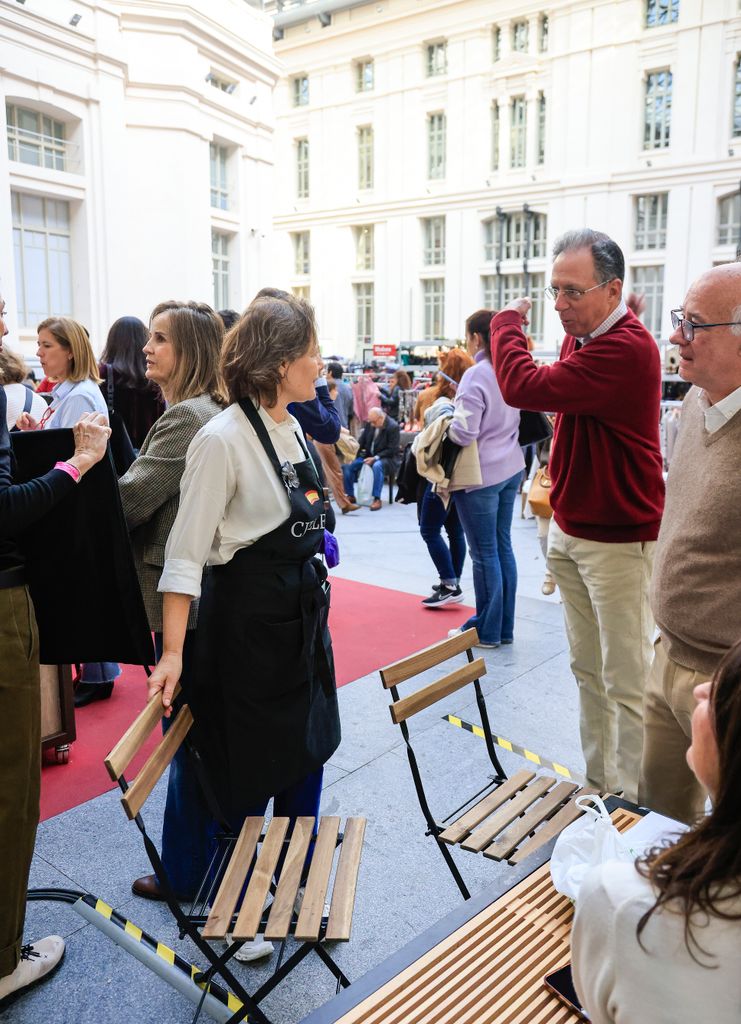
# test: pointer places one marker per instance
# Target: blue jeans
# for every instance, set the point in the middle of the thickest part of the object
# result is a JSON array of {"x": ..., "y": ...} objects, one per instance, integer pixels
[
  {"x": 351, "y": 472},
  {"x": 188, "y": 828},
  {"x": 432, "y": 517},
  {"x": 486, "y": 515}
]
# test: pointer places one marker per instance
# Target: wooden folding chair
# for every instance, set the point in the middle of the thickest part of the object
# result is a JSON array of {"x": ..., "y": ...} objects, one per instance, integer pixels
[
  {"x": 234, "y": 896},
  {"x": 507, "y": 819}
]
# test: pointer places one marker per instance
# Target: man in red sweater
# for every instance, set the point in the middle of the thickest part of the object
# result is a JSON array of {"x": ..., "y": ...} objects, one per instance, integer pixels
[{"x": 608, "y": 490}]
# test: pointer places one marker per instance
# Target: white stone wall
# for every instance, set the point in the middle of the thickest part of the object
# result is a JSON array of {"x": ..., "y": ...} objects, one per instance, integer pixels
[
  {"x": 593, "y": 78},
  {"x": 130, "y": 81}
]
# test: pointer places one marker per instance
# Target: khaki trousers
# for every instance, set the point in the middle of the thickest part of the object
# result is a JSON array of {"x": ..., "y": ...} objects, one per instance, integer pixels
[
  {"x": 604, "y": 589},
  {"x": 333, "y": 473},
  {"x": 667, "y": 784},
  {"x": 20, "y": 764}
]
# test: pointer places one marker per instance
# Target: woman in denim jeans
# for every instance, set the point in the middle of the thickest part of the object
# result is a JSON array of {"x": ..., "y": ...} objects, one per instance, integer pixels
[{"x": 485, "y": 512}]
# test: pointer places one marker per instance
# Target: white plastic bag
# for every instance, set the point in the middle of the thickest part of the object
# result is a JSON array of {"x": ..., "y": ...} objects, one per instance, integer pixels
[
  {"x": 586, "y": 842},
  {"x": 364, "y": 486}
]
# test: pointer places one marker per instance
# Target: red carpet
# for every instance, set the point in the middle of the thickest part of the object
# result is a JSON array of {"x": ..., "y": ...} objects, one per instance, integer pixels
[{"x": 371, "y": 627}]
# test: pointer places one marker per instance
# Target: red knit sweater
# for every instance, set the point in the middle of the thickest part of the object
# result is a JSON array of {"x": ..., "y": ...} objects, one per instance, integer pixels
[{"x": 606, "y": 459}]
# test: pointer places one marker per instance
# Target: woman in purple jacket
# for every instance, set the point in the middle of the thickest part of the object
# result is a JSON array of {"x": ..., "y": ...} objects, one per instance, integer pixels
[{"x": 482, "y": 415}]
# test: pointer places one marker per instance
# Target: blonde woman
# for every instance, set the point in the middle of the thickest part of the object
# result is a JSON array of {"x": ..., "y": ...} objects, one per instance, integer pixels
[{"x": 66, "y": 356}]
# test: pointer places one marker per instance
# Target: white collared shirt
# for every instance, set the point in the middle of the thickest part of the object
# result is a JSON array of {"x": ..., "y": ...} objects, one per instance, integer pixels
[
  {"x": 716, "y": 416},
  {"x": 617, "y": 314},
  {"x": 230, "y": 495}
]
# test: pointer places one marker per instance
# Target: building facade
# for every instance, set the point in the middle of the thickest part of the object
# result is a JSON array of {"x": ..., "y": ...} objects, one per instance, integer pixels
[
  {"x": 139, "y": 157},
  {"x": 428, "y": 153}
]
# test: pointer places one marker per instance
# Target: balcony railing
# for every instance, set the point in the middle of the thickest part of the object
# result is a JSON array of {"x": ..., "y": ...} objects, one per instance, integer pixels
[{"x": 38, "y": 150}]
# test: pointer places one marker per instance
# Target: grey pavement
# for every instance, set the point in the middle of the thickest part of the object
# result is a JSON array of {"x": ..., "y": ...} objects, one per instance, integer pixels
[{"x": 404, "y": 885}]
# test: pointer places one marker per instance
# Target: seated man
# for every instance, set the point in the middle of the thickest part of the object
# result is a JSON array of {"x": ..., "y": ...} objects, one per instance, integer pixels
[{"x": 379, "y": 449}]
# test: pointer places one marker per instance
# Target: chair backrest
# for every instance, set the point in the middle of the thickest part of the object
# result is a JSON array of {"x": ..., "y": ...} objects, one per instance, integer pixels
[
  {"x": 402, "y": 671},
  {"x": 136, "y": 792}
]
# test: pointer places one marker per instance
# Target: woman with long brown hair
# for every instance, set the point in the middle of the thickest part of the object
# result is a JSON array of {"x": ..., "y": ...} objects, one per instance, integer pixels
[{"x": 660, "y": 941}]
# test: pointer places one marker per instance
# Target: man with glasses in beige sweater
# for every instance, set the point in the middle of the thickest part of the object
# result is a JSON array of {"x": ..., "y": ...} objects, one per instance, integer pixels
[{"x": 696, "y": 585}]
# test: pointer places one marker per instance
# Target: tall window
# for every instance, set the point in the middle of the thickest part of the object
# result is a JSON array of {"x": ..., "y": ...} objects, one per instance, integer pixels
[
  {"x": 496, "y": 42},
  {"x": 518, "y": 131},
  {"x": 220, "y": 267},
  {"x": 364, "y": 76},
  {"x": 650, "y": 221},
  {"x": 301, "y": 252},
  {"x": 540, "y": 140},
  {"x": 364, "y": 247},
  {"x": 436, "y": 145},
  {"x": 514, "y": 286},
  {"x": 434, "y": 241},
  {"x": 365, "y": 156},
  {"x": 661, "y": 12},
  {"x": 519, "y": 36},
  {"x": 364, "y": 313},
  {"x": 300, "y": 90},
  {"x": 737, "y": 99},
  {"x": 437, "y": 59},
  {"x": 43, "y": 272},
  {"x": 658, "y": 113},
  {"x": 649, "y": 282},
  {"x": 433, "y": 292},
  {"x": 302, "y": 168},
  {"x": 516, "y": 228},
  {"x": 34, "y": 138},
  {"x": 219, "y": 185},
  {"x": 495, "y": 136},
  {"x": 302, "y": 291},
  {"x": 729, "y": 220},
  {"x": 543, "y": 27}
]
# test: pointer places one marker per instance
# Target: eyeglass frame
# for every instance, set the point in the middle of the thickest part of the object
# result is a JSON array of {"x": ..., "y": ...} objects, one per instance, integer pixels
[
  {"x": 678, "y": 323},
  {"x": 577, "y": 293}
]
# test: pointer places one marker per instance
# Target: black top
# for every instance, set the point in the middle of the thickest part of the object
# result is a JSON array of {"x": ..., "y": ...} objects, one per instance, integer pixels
[{"x": 22, "y": 504}]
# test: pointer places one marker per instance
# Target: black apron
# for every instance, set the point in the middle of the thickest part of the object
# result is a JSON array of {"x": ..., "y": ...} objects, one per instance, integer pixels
[{"x": 264, "y": 695}]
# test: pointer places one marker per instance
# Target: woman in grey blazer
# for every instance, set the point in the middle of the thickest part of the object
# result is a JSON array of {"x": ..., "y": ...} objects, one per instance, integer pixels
[{"x": 182, "y": 353}]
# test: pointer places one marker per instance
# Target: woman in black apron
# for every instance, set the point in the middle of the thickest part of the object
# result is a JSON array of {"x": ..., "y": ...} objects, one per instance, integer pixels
[{"x": 263, "y": 694}]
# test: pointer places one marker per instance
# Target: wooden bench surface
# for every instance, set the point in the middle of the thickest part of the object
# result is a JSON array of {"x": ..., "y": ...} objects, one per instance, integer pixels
[
  {"x": 491, "y": 969},
  {"x": 318, "y": 891}
]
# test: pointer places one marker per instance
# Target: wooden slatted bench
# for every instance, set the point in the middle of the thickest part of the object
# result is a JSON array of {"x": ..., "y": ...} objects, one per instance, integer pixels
[{"x": 489, "y": 969}]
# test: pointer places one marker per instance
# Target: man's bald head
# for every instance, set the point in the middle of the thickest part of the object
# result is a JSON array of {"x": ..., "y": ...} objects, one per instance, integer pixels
[
  {"x": 720, "y": 287},
  {"x": 376, "y": 416},
  {"x": 712, "y": 360}
]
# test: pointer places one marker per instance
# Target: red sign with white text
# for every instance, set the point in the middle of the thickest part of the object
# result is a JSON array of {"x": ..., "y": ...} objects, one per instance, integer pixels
[{"x": 385, "y": 351}]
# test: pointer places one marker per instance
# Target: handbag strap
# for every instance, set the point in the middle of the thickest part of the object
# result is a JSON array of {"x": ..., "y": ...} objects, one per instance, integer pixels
[
  {"x": 28, "y": 400},
  {"x": 110, "y": 387}
]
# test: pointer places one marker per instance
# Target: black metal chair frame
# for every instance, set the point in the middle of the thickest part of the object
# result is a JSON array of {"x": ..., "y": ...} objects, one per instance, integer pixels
[
  {"x": 435, "y": 827},
  {"x": 190, "y": 921}
]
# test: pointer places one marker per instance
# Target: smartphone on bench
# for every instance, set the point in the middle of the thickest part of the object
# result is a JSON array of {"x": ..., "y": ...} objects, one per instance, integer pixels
[{"x": 561, "y": 984}]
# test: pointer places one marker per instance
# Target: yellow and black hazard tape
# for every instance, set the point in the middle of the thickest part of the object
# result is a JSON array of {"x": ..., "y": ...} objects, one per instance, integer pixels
[
  {"x": 515, "y": 748},
  {"x": 164, "y": 952}
]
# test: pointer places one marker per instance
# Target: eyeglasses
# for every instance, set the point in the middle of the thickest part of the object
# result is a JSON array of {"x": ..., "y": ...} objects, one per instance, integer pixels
[
  {"x": 689, "y": 328},
  {"x": 572, "y": 294}
]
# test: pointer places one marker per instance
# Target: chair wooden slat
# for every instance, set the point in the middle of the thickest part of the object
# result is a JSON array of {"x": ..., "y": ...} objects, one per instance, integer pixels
[
  {"x": 466, "y": 823},
  {"x": 428, "y": 695},
  {"x": 551, "y": 828},
  {"x": 502, "y": 848},
  {"x": 281, "y": 912},
  {"x": 310, "y": 918},
  {"x": 346, "y": 880},
  {"x": 428, "y": 657},
  {"x": 507, "y": 814},
  {"x": 136, "y": 795},
  {"x": 232, "y": 884},
  {"x": 135, "y": 736},
  {"x": 249, "y": 917}
]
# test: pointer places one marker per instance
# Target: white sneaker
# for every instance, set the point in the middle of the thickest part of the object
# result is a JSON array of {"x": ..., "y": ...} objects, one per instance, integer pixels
[
  {"x": 37, "y": 961},
  {"x": 252, "y": 949}
]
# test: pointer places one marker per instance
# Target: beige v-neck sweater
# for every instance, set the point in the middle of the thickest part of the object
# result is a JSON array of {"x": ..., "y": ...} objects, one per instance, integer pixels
[{"x": 696, "y": 585}]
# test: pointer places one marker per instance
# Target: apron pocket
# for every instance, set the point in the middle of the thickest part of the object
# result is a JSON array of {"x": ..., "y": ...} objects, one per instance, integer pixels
[{"x": 276, "y": 665}]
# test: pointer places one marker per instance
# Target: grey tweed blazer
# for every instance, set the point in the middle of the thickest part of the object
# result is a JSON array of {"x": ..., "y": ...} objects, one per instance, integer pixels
[{"x": 150, "y": 494}]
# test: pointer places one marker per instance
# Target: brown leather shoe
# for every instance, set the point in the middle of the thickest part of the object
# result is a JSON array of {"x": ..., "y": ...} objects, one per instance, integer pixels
[
  {"x": 148, "y": 887},
  {"x": 377, "y": 503},
  {"x": 352, "y": 507}
]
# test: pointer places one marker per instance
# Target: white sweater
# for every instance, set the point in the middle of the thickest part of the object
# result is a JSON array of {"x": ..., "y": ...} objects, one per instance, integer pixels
[{"x": 619, "y": 981}]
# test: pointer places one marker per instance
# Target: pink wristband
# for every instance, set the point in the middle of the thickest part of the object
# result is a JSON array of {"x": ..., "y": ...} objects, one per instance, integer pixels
[{"x": 69, "y": 469}]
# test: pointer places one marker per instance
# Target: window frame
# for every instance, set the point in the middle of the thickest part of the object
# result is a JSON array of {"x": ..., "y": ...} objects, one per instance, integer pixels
[
  {"x": 437, "y": 130},
  {"x": 436, "y": 58},
  {"x": 650, "y": 218},
  {"x": 366, "y": 161},
  {"x": 61, "y": 303},
  {"x": 220, "y": 268},
  {"x": 433, "y": 309},
  {"x": 657, "y": 109},
  {"x": 518, "y": 132},
  {"x": 360, "y": 67},
  {"x": 300, "y": 96},
  {"x": 434, "y": 240},
  {"x": 51, "y": 146},
  {"x": 364, "y": 296},
  {"x": 303, "y": 180},
  {"x": 301, "y": 253}
]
